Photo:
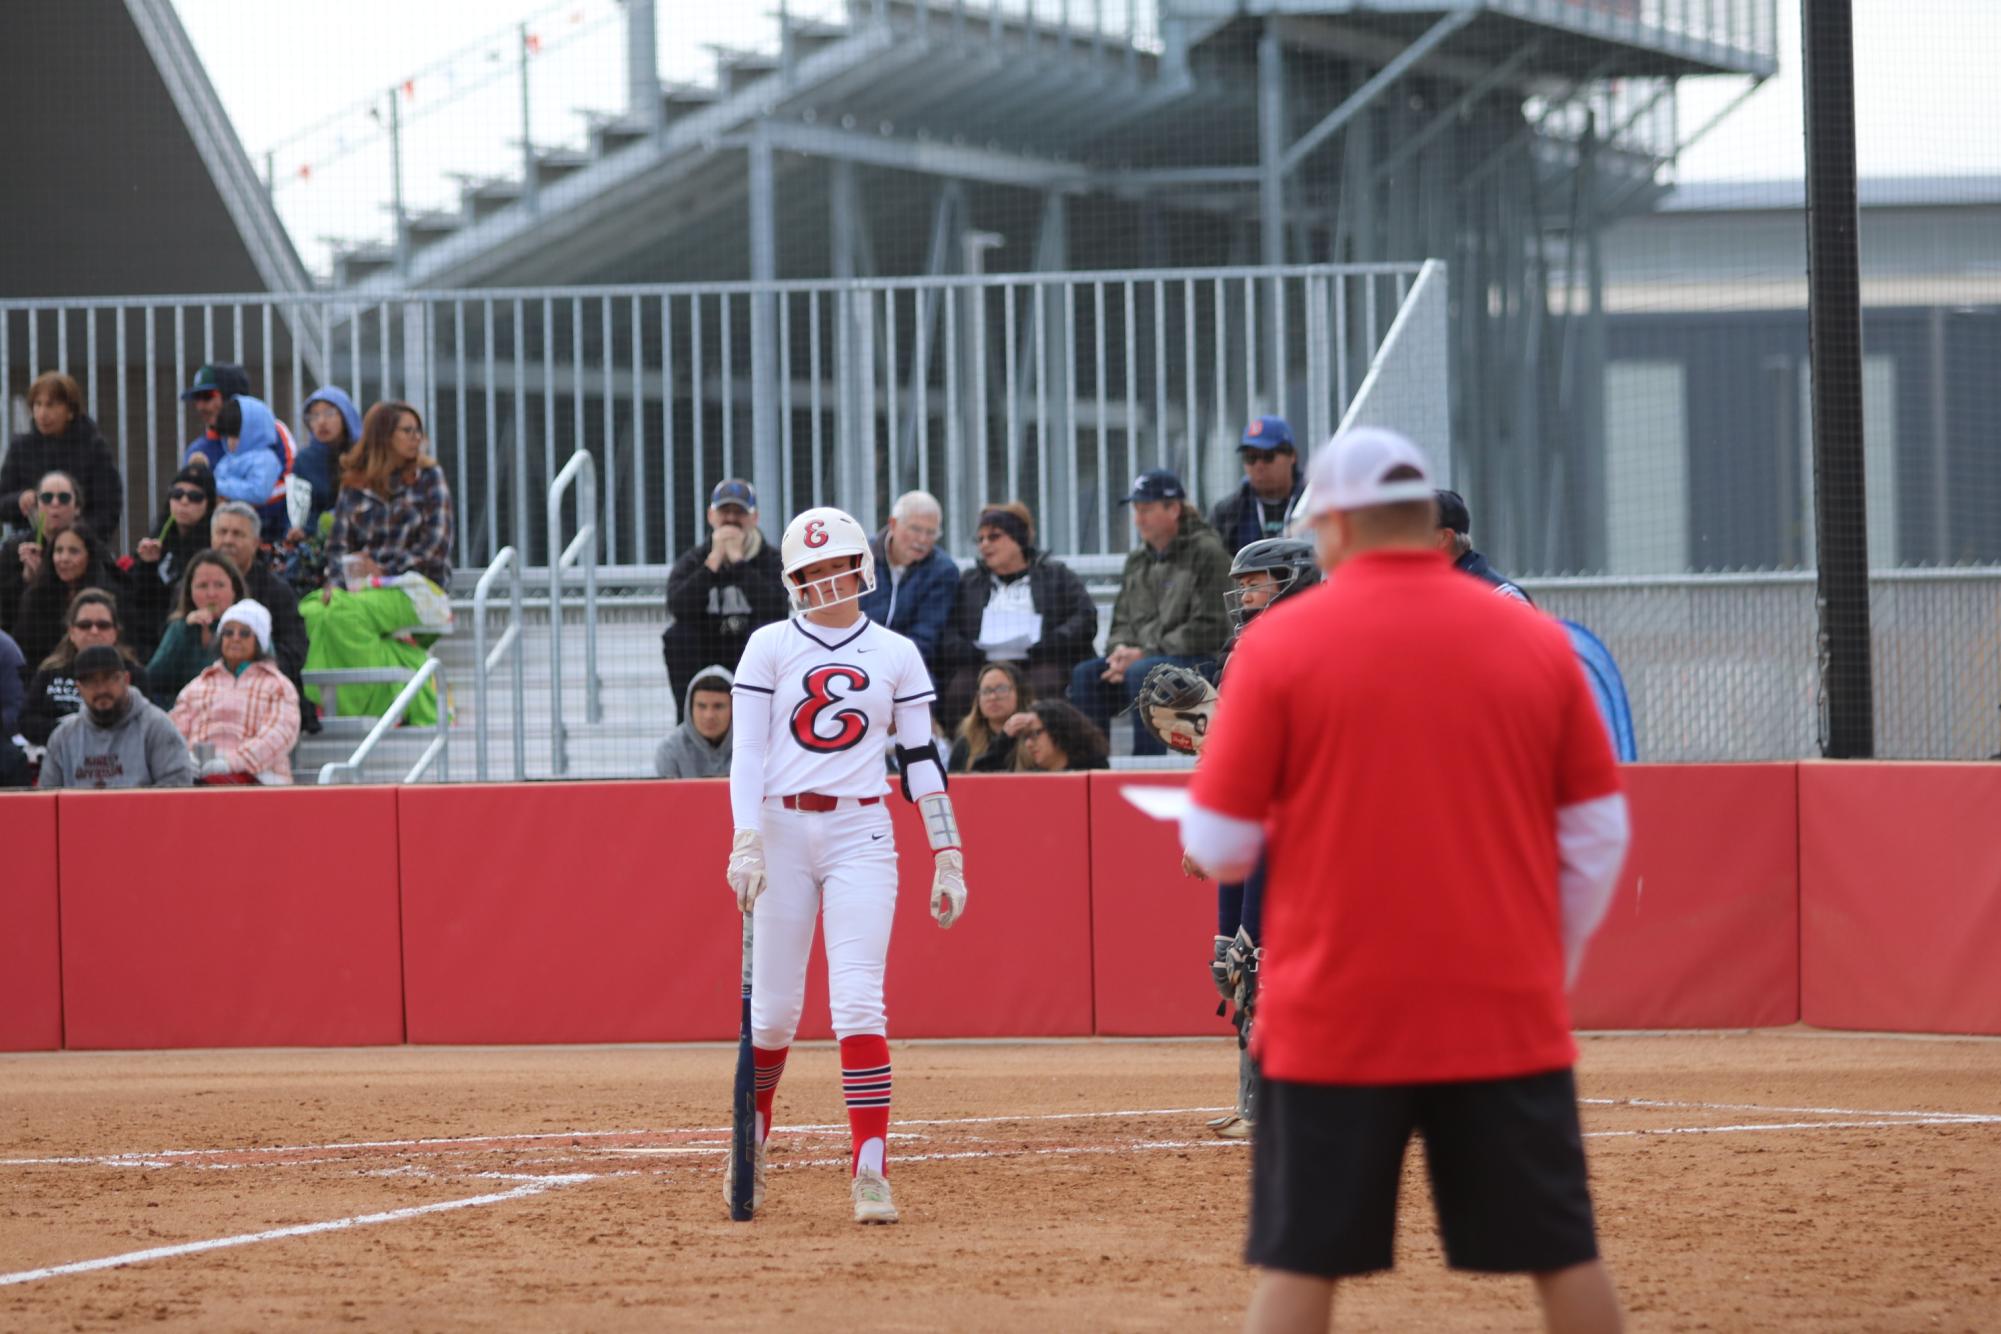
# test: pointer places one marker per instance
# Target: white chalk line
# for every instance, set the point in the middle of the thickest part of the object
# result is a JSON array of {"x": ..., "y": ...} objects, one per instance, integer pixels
[
  {"x": 1677, "y": 1105},
  {"x": 529, "y": 1186}
]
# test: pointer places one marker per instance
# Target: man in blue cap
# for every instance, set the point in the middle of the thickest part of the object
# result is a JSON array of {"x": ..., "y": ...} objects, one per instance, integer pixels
[
  {"x": 721, "y": 588},
  {"x": 1169, "y": 609},
  {"x": 1262, "y": 506}
]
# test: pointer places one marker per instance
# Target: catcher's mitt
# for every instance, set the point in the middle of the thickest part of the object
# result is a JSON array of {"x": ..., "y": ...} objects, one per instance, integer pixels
[{"x": 1176, "y": 703}]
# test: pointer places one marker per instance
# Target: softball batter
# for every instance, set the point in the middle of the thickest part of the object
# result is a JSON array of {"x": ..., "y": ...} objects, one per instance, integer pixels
[{"x": 818, "y": 699}]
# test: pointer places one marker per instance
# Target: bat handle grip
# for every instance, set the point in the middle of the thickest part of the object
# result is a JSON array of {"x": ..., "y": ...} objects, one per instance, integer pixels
[{"x": 749, "y": 929}]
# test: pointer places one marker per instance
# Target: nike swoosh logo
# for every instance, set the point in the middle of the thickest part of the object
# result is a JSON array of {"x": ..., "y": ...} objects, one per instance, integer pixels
[
  {"x": 864, "y": 650},
  {"x": 873, "y": 837}
]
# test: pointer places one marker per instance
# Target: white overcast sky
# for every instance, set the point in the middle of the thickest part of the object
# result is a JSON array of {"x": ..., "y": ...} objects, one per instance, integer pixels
[{"x": 1926, "y": 102}]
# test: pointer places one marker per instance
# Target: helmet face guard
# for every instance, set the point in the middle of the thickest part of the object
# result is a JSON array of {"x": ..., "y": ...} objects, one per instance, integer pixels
[
  {"x": 1289, "y": 561},
  {"x": 801, "y": 592},
  {"x": 1233, "y": 600}
]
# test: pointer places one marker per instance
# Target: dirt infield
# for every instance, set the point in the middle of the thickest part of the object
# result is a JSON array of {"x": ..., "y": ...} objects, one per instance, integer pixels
[{"x": 1743, "y": 1182}]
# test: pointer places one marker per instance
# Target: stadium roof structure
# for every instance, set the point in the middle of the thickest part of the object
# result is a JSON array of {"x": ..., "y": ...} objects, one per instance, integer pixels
[{"x": 125, "y": 175}]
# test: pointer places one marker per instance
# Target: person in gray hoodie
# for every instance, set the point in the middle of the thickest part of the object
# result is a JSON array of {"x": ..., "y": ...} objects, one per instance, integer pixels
[
  {"x": 700, "y": 746},
  {"x": 119, "y": 739}
]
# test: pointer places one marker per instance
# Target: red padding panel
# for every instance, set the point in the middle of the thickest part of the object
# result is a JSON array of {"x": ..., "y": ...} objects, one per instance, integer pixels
[
  {"x": 241, "y": 918},
  {"x": 30, "y": 956},
  {"x": 598, "y": 913},
  {"x": 1900, "y": 874},
  {"x": 1703, "y": 931},
  {"x": 1151, "y": 925}
]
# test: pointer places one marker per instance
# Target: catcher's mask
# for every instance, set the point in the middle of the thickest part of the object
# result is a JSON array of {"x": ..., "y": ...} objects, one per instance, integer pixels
[{"x": 1289, "y": 561}]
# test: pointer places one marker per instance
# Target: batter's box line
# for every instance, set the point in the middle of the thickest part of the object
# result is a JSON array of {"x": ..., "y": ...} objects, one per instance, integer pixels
[{"x": 1670, "y": 1104}]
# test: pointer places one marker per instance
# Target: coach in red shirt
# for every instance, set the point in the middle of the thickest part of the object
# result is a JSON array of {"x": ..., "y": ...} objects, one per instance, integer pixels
[{"x": 1442, "y": 822}]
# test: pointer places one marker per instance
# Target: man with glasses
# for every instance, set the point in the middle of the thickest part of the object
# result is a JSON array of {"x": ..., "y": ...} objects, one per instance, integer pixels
[
  {"x": 212, "y": 386},
  {"x": 1262, "y": 506},
  {"x": 916, "y": 580}
]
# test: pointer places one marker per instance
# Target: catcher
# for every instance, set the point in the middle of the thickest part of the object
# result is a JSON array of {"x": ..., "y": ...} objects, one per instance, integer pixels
[{"x": 1176, "y": 704}]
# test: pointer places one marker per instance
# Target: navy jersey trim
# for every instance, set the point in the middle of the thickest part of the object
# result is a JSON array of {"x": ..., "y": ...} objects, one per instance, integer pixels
[
  {"x": 799, "y": 624},
  {"x": 745, "y": 685}
]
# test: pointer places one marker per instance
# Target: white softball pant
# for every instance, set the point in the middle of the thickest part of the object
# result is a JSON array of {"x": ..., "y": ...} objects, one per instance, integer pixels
[{"x": 839, "y": 866}]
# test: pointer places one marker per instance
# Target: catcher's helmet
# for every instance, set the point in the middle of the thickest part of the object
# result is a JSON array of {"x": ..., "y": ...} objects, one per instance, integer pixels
[
  {"x": 1289, "y": 560},
  {"x": 816, "y": 535}
]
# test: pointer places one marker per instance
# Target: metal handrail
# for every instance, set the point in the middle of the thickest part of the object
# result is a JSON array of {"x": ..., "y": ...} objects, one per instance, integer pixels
[
  {"x": 508, "y": 561},
  {"x": 583, "y": 546},
  {"x": 336, "y": 771}
]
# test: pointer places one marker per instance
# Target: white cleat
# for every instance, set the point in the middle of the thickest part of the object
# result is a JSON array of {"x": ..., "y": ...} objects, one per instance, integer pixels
[
  {"x": 872, "y": 1201},
  {"x": 756, "y": 1181},
  {"x": 1232, "y": 1127}
]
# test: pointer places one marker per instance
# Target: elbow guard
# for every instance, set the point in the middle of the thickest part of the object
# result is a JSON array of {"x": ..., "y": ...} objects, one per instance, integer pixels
[
  {"x": 909, "y": 756},
  {"x": 941, "y": 823}
]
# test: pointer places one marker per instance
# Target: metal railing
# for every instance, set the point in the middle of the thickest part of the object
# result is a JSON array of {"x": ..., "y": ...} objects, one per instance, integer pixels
[
  {"x": 583, "y": 547},
  {"x": 485, "y": 660},
  {"x": 1050, "y": 388},
  {"x": 349, "y": 770}
]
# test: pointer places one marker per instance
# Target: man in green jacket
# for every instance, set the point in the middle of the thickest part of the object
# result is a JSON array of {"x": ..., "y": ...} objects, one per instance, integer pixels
[{"x": 1170, "y": 605}]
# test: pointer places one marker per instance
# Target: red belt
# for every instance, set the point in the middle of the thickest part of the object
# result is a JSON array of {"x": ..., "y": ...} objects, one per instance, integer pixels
[{"x": 813, "y": 801}]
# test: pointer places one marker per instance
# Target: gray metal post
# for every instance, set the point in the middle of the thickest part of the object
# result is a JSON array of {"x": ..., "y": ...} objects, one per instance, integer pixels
[
  {"x": 529, "y": 190},
  {"x": 642, "y": 66},
  {"x": 1271, "y": 196},
  {"x": 766, "y": 466},
  {"x": 970, "y": 483},
  {"x": 396, "y": 184},
  {"x": 843, "y": 202}
]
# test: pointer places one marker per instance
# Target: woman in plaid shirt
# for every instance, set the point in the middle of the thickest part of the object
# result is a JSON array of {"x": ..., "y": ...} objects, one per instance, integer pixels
[
  {"x": 241, "y": 708},
  {"x": 389, "y": 561}
]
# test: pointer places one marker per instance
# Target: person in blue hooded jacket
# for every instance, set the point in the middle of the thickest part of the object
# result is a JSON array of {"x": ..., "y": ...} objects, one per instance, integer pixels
[
  {"x": 333, "y": 426},
  {"x": 255, "y": 462}
]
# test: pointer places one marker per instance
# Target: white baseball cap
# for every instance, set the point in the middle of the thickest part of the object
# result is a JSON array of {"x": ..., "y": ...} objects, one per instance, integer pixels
[{"x": 1350, "y": 472}]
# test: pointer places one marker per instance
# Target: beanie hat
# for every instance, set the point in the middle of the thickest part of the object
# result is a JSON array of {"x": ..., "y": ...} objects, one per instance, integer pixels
[
  {"x": 1010, "y": 523},
  {"x": 252, "y": 613},
  {"x": 198, "y": 476}
]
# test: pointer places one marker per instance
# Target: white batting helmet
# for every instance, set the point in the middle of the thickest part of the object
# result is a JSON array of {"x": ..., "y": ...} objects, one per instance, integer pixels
[{"x": 820, "y": 534}]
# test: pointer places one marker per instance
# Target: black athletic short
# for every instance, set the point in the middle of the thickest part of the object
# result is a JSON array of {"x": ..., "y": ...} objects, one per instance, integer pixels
[{"x": 1506, "y": 1158}]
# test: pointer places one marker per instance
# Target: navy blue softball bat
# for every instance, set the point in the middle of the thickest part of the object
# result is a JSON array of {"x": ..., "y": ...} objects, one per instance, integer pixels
[{"x": 743, "y": 1104}]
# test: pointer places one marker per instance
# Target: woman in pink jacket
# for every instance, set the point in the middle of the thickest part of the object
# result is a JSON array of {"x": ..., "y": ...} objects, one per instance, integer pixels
[{"x": 241, "y": 716}]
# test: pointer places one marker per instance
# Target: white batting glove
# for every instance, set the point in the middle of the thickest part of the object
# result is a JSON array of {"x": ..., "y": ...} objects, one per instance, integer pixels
[
  {"x": 948, "y": 888},
  {"x": 746, "y": 868}
]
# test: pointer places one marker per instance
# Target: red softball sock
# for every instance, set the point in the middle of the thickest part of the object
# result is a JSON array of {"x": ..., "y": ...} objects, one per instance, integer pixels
[
  {"x": 865, "y": 1082},
  {"x": 770, "y": 1065}
]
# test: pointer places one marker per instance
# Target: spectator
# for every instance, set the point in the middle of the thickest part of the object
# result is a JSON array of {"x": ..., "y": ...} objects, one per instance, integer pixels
[
  {"x": 721, "y": 589},
  {"x": 1015, "y": 593},
  {"x": 1455, "y": 538},
  {"x": 333, "y": 427},
  {"x": 1262, "y": 506},
  {"x": 62, "y": 439},
  {"x": 915, "y": 578},
  {"x": 985, "y": 743},
  {"x": 13, "y": 673},
  {"x": 163, "y": 556},
  {"x": 256, "y": 462},
  {"x": 1058, "y": 739},
  {"x": 53, "y": 695},
  {"x": 241, "y": 716},
  {"x": 213, "y": 385},
  {"x": 211, "y": 586},
  {"x": 389, "y": 564},
  {"x": 78, "y": 559},
  {"x": 14, "y": 769},
  {"x": 57, "y": 501},
  {"x": 119, "y": 739},
  {"x": 1169, "y": 609},
  {"x": 700, "y": 746},
  {"x": 233, "y": 532}
]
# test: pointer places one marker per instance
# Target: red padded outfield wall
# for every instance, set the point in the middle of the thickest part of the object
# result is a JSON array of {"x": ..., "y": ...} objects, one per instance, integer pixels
[
  {"x": 1901, "y": 891},
  {"x": 31, "y": 1015},
  {"x": 250, "y": 918},
  {"x": 597, "y": 912},
  {"x": 1703, "y": 931}
]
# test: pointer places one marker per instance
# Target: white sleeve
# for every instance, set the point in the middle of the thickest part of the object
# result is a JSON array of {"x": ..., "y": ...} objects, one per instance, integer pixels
[
  {"x": 913, "y": 729},
  {"x": 1224, "y": 846},
  {"x": 750, "y": 733},
  {"x": 1591, "y": 841},
  {"x": 913, "y": 685}
]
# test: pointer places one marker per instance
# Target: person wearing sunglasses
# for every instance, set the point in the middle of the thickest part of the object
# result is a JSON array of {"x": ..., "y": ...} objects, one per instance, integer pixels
[
  {"x": 77, "y": 559},
  {"x": 61, "y": 438},
  {"x": 162, "y": 557},
  {"x": 1016, "y": 604},
  {"x": 1262, "y": 506},
  {"x": 53, "y": 694},
  {"x": 213, "y": 385},
  {"x": 241, "y": 716},
  {"x": 57, "y": 501}
]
